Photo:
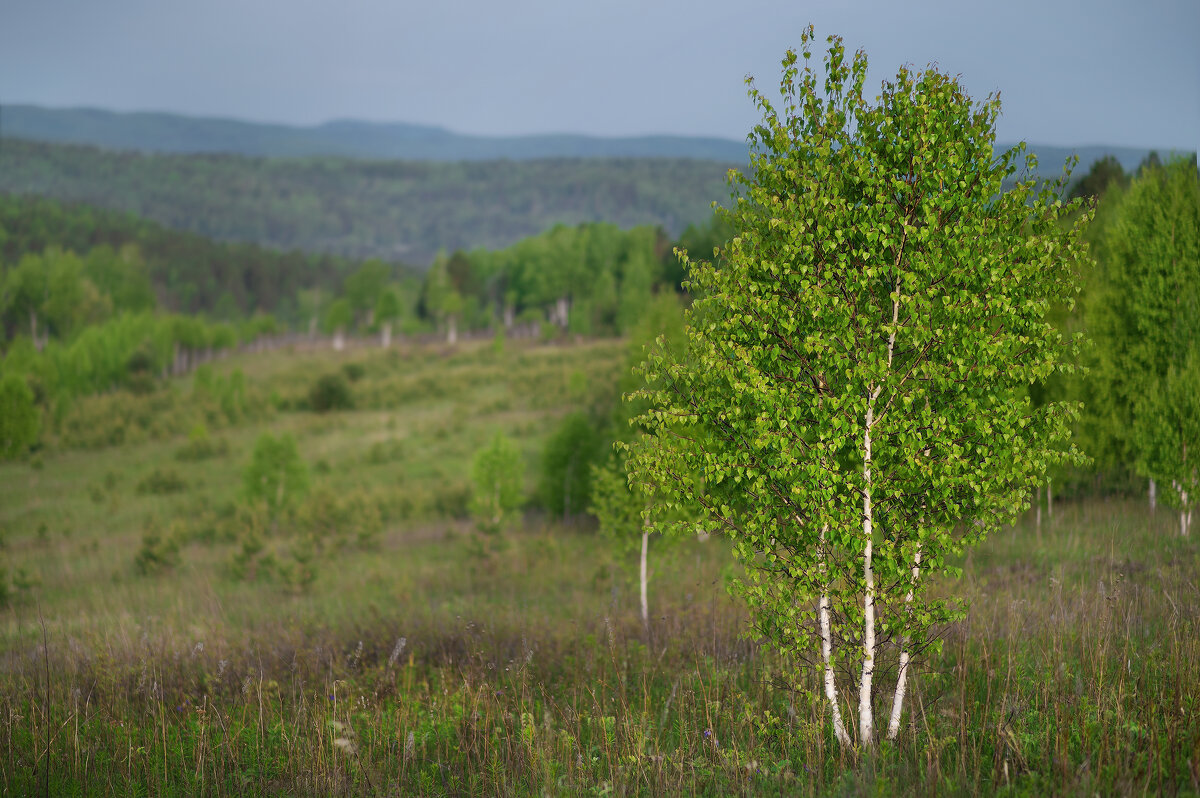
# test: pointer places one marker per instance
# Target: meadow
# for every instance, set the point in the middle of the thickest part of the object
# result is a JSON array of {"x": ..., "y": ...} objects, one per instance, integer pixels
[{"x": 159, "y": 637}]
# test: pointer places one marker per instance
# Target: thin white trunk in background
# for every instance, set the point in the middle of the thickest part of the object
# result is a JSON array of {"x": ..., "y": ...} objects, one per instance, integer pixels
[
  {"x": 865, "y": 717},
  {"x": 387, "y": 334},
  {"x": 1185, "y": 515},
  {"x": 1153, "y": 495},
  {"x": 452, "y": 333},
  {"x": 645, "y": 602},
  {"x": 1037, "y": 503},
  {"x": 839, "y": 728},
  {"x": 312, "y": 327},
  {"x": 1049, "y": 501},
  {"x": 902, "y": 678},
  {"x": 339, "y": 340}
]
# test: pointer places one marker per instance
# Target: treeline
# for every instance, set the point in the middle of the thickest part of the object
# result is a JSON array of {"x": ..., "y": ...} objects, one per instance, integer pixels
[
  {"x": 1140, "y": 310},
  {"x": 186, "y": 272},
  {"x": 394, "y": 210}
]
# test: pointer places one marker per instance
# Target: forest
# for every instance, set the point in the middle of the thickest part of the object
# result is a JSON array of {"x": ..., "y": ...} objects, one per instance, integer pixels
[
  {"x": 876, "y": 479},
  {"x": 395, "y": 210}
]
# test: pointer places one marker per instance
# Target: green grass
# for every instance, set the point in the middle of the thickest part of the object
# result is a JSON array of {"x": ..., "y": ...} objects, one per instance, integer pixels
[{"x": 434, "y": 662}]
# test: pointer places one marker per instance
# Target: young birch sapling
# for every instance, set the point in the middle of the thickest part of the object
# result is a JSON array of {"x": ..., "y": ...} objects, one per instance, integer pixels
[
  {"x": 497, "y": 480},
  {"x": 854, "y": 406}
]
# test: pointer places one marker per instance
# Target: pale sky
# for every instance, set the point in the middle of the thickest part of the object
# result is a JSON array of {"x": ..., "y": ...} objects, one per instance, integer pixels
[{"x": 1070, "y": 73}]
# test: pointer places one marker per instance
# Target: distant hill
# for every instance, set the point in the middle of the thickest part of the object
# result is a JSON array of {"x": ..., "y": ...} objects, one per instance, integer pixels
[
  {"x": 175, "y": 133},
  {"x": 396, "y": 210},
  {"x": 348, "y": 138}
]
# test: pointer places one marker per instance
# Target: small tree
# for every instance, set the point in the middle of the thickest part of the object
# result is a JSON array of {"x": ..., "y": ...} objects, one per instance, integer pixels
[
  {"x": 338, "y": 317},
  {"x": 621, "y": 510},
  {"x": 853, "y": 408},
  {"x": 1167, "y": 435},
  {"x": 497, "y": 477},
  {"x": 276, "y": 475},
  {"x": 19, "y": 418},
  {"x": 566, "y": 481}
]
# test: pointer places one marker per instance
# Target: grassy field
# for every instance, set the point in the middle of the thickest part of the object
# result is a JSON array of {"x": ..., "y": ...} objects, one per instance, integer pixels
[{"x": 417, "y": 658}]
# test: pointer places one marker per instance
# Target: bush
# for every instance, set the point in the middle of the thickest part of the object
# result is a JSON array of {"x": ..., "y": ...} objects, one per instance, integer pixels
[
  {"x": 162, "y": 481},
  {"x": 158, "y": 552},
  {"x": 354, "y": 371},
  {"x": 19, "y": 419},
  {"x": 330, "y": 392},
  {"x": 201, "y": 446},
  {"x": 567, "y": 466}
]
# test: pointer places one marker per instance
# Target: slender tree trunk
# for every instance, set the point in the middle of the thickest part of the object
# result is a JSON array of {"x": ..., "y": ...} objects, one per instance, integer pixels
[
  {"x": 1037, "y": 504},
  {"x": 839, "y": 727},
  {"x": 452, "y": 333},
  {"x": 866, "y": 723},
  {"x": 339, "y": 340},
  {"x": 1049, "y": 501},
  {"x": 1153, "y": 495},
  {"x": 902, "y": 677},
  {"x": 1185, "y": 515},
  {"x": 387, "y": 334},
  {"x": 645, "y": 602}
]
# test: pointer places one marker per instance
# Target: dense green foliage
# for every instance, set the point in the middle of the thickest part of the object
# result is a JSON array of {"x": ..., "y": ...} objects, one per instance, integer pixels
[{"x": 396, "y": 210}]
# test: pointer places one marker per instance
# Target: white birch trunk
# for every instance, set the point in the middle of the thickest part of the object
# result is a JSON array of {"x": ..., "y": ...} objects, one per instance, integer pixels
[
  {"x": 1153, "y": 495},
  {"x": 1185, "y": 515},
  {"x": 645, "y": 602},
  {"x": 452, "y": 332},
  {"x": 339, "y": 340},
  {"x": 902, "y": 677},
  {"x": 865, "y": 719},
  {"x": 1049, "y": 501},
  {"x": 387, "y": 335},
  {"x": 839, "y": 727}
]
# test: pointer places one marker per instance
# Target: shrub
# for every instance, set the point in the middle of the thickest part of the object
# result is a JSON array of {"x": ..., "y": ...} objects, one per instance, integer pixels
[
  {"x": 158, "y": 552},
  {"x": 19, "y": 419},
  {"x": 162, "y": 481},
  {"x": 330, "y": 392},
  {"x": 201, "y": 446},
  {"x": 354, "y": 371}
]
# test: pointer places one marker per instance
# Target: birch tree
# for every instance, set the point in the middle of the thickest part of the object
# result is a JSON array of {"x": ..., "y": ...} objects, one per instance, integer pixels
[{"x": 854, "y": 406}]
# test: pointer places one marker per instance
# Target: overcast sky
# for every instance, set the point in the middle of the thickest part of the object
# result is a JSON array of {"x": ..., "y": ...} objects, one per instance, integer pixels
[{"x": 1096, "y": 72}]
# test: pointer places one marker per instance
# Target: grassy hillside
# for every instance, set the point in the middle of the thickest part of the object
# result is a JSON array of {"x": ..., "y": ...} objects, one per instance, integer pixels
[
  {"x": 159, "y": 639},
  {"x": 397, "y": 210},
  {"x": 350, "y": 138}
]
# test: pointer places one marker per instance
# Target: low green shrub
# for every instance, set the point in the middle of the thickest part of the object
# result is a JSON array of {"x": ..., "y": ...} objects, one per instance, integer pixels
[{"x": 330, "y": 392}]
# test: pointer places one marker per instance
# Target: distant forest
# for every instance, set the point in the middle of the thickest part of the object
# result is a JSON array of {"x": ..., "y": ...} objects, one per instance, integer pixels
[{"x": 396, "y": 210}]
